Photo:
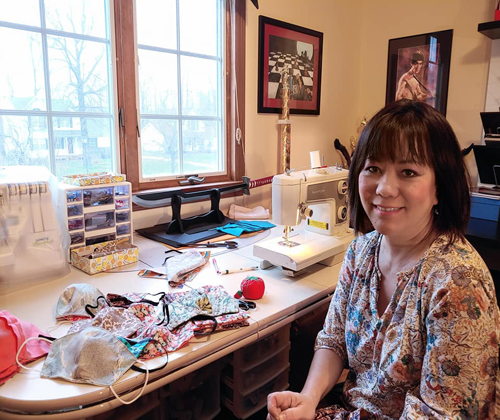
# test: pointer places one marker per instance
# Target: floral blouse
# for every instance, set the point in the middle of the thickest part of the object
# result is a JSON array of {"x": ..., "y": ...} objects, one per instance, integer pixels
[{"x": 434, "y": 351}]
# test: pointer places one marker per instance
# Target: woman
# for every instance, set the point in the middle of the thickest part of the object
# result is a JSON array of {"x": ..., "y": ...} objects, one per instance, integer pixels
[{"x": 414, "y": 316}]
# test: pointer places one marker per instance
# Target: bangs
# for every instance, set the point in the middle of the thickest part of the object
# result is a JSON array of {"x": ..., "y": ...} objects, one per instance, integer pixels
[{"x": 398, "y": 139}]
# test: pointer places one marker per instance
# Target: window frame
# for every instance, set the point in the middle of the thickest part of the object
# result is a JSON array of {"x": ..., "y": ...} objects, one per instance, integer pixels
[{"x": 128, "y": 108}]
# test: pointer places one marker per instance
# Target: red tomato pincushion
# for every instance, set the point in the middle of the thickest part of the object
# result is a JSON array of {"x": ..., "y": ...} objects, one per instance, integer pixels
[{"x": 252, "y": 288}]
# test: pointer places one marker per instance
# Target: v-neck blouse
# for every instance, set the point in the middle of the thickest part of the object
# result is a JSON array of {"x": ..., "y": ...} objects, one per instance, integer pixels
[{"x": 434, "y": 350}]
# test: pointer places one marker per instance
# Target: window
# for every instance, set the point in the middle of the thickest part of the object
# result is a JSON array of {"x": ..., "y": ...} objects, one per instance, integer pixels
[
  {"x": 150, "y": 88},
  {"x": 56, "y": 85},
  {"x": 188, "y": 63}
]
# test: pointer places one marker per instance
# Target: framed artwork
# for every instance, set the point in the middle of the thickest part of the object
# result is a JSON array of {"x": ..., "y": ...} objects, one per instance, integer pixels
[
  {"x": 287, "y": 50},
  {"x": 418, "y": 68}
]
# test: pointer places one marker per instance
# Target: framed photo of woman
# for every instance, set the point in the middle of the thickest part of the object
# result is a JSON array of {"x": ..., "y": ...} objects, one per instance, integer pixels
[{"x": 418, "y": 68}]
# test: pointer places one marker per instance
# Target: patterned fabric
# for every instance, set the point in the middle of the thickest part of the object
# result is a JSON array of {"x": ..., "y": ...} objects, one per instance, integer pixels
[
  {"x": 207, "y": 300},
  {"x": 119, "y": 321},
  {"x": 335, "y": 412},
  {"x": 91, "y": 356},
  {"x": 73, "y": 299},
  {"x": 224, "y": 322},
  {"x": 434, "y": 351},
  {"x": 162, "y": 339}
]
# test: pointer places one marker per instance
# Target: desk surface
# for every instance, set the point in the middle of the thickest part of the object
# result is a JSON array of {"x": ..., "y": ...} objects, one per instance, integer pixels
[{"x": 27, "y": 395}]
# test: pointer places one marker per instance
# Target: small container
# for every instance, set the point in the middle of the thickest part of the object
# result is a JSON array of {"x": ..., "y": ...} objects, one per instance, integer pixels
[{"x": 83, "y": 258}]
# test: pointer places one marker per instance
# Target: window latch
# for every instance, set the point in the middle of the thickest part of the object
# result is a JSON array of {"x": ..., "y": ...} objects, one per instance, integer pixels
[{"x": 192, "y": 180}]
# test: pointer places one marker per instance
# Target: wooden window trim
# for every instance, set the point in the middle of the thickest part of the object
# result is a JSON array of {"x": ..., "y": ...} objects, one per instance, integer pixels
[{"x": 127, "y": 96}]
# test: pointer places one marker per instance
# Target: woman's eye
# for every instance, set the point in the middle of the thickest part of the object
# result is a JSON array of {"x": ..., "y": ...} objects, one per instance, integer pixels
[
  {"x": 409, "y": 173},
  {"x": 371, "y": 169}
]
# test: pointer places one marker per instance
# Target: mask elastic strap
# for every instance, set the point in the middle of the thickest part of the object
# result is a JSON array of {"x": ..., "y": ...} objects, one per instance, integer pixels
[
  {"x": 88, "y": 306},
  {"x": 205, "y": 317},
  {"x": 22, "y": 346},
  {"x": 140, "y": 393}
]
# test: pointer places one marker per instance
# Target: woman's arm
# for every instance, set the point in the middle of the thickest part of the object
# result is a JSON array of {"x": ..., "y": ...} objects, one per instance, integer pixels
[
  {"x": 460, "y": 366},
  {"x": 329, "y": 358}
]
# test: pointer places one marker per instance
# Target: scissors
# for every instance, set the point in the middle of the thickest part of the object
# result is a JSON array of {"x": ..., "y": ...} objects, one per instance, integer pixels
[
  {"x": 246, "y": 304},
  {"x": 225, "y": 244}
]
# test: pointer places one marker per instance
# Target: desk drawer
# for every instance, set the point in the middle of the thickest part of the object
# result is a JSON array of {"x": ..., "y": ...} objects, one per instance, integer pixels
[{"x": 485, "y": 208}]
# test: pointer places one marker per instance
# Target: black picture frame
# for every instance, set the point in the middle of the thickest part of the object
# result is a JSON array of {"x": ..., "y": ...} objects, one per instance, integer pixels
[
  {"x": 427, "y": 82},
  {"x": 284, "y": 44}
]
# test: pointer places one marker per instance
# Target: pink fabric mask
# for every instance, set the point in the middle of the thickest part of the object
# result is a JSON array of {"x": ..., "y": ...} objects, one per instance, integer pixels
[{"x": 13, "y": 332}]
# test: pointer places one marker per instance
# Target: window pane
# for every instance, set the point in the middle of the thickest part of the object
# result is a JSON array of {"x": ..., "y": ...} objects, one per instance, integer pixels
[
  {"x": 86, "y": 17},
  {"x": 21, "y": 79},
  {"x": 159, "y": 147},
  {"x": 198, "y": 26},
  {"x": 78, "y": 75},
  {"x": 156, "y": 23},
  {"x": 201, "y": 147},
  {"x": 82, "y": 145},
  {"x": 158, "y": 82},
  {"x": 24, "y": 141},
  {"x": 199, "y": 86},
  {"x": 25, "y": 12}
]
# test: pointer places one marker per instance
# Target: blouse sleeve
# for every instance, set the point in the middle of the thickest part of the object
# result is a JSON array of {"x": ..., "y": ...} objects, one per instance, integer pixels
[
  {"x": 460, "y": 365},
  {"x": 332, "y": 336}
]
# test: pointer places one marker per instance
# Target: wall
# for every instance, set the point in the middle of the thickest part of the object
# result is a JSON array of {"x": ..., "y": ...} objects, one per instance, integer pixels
[
  {"x": 338, "y": 20},
  {"x": 356, "y": 38},
  {"x": 355, "y": 47},
  {"x": 469, "y": 59}
]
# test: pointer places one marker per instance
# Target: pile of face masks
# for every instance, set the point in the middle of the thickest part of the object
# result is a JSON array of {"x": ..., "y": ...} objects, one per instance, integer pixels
[{"x": 109, "y": 335}]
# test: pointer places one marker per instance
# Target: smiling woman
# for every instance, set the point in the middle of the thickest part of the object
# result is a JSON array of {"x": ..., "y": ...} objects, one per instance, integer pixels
[{"x": 414, "y": 316}]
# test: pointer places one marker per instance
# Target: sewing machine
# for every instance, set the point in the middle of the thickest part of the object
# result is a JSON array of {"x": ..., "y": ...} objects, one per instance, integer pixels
[
  {"x": 316, "y": 200},
  {"x": 31, "y": 241}
]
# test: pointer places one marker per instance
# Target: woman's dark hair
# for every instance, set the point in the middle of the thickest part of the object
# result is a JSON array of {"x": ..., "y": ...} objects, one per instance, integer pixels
[{"x": 416, "y": 132}]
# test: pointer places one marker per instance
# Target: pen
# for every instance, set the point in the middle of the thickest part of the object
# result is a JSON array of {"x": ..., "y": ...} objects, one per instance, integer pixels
[
  {"x": 214, "y": 262},
  {"x": 238, "y": 270}
]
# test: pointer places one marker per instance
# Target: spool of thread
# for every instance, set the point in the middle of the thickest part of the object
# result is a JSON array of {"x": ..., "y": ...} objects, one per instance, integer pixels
[{"x": 315, "y": 157}]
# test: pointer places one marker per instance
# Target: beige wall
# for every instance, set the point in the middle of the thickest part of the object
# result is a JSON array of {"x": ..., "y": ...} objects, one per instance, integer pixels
[
  {"x": 355, "y": 46},
  {"x": 356, "y": 35}
]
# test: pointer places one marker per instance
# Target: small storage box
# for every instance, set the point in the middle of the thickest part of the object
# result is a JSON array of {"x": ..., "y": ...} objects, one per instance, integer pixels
[
  {"x": 84, "y": 259},
  {"x": 485, "y": 207},
  {"x": 93, "y": 179}
]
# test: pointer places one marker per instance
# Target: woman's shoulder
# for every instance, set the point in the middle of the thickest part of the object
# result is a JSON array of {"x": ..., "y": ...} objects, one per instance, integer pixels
[
  {"x": 363, "y": 247},
  {"x": 455, "y": 264},
  {"x": 454, "y": 253}
]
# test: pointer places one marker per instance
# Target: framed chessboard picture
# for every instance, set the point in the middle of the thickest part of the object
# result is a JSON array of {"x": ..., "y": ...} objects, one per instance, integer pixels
[{"x": 287, "y": 50}]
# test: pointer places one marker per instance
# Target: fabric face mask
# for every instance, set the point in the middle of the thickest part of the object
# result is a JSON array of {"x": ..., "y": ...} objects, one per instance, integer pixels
[
  {"x": 119, "y": 321},
  {"x": 91, "y": 356},
  {"x": 75, "y": 298}
]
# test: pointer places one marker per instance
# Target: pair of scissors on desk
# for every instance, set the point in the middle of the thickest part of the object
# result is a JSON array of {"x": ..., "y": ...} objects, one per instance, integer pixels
[{"x": 225, "y": 244}]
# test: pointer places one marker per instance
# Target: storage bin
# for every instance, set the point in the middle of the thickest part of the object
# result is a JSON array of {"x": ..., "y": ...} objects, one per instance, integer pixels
[
  {"x": 197, "y": 395},
  {"x": 254, "y": 354},
  {"x": 485, "y": 208},
  {"x": 243, "y": 406},
  {"x": 255, "y": 376}
]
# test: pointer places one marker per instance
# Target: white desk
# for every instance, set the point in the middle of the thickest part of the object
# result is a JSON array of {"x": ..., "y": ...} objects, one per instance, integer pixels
[{"x": 27, "y": 395}]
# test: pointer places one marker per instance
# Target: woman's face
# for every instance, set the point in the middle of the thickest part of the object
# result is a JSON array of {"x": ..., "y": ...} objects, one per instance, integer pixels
[{"x": 398, "y": 198}]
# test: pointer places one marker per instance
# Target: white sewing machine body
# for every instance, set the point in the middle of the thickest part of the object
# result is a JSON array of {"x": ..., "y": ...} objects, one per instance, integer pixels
[
  {"x": 320, "y": 197},
  {"x": 31, "y": 241}
]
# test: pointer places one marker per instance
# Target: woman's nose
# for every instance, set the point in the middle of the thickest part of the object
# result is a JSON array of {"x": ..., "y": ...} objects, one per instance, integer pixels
[{"x": 388, "y": 186}]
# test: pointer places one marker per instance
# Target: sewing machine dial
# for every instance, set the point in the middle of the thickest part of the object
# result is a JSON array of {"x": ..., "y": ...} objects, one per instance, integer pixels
[
  {"x": 342, "y": 187},
  {"x": 342, "y": 213}
]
